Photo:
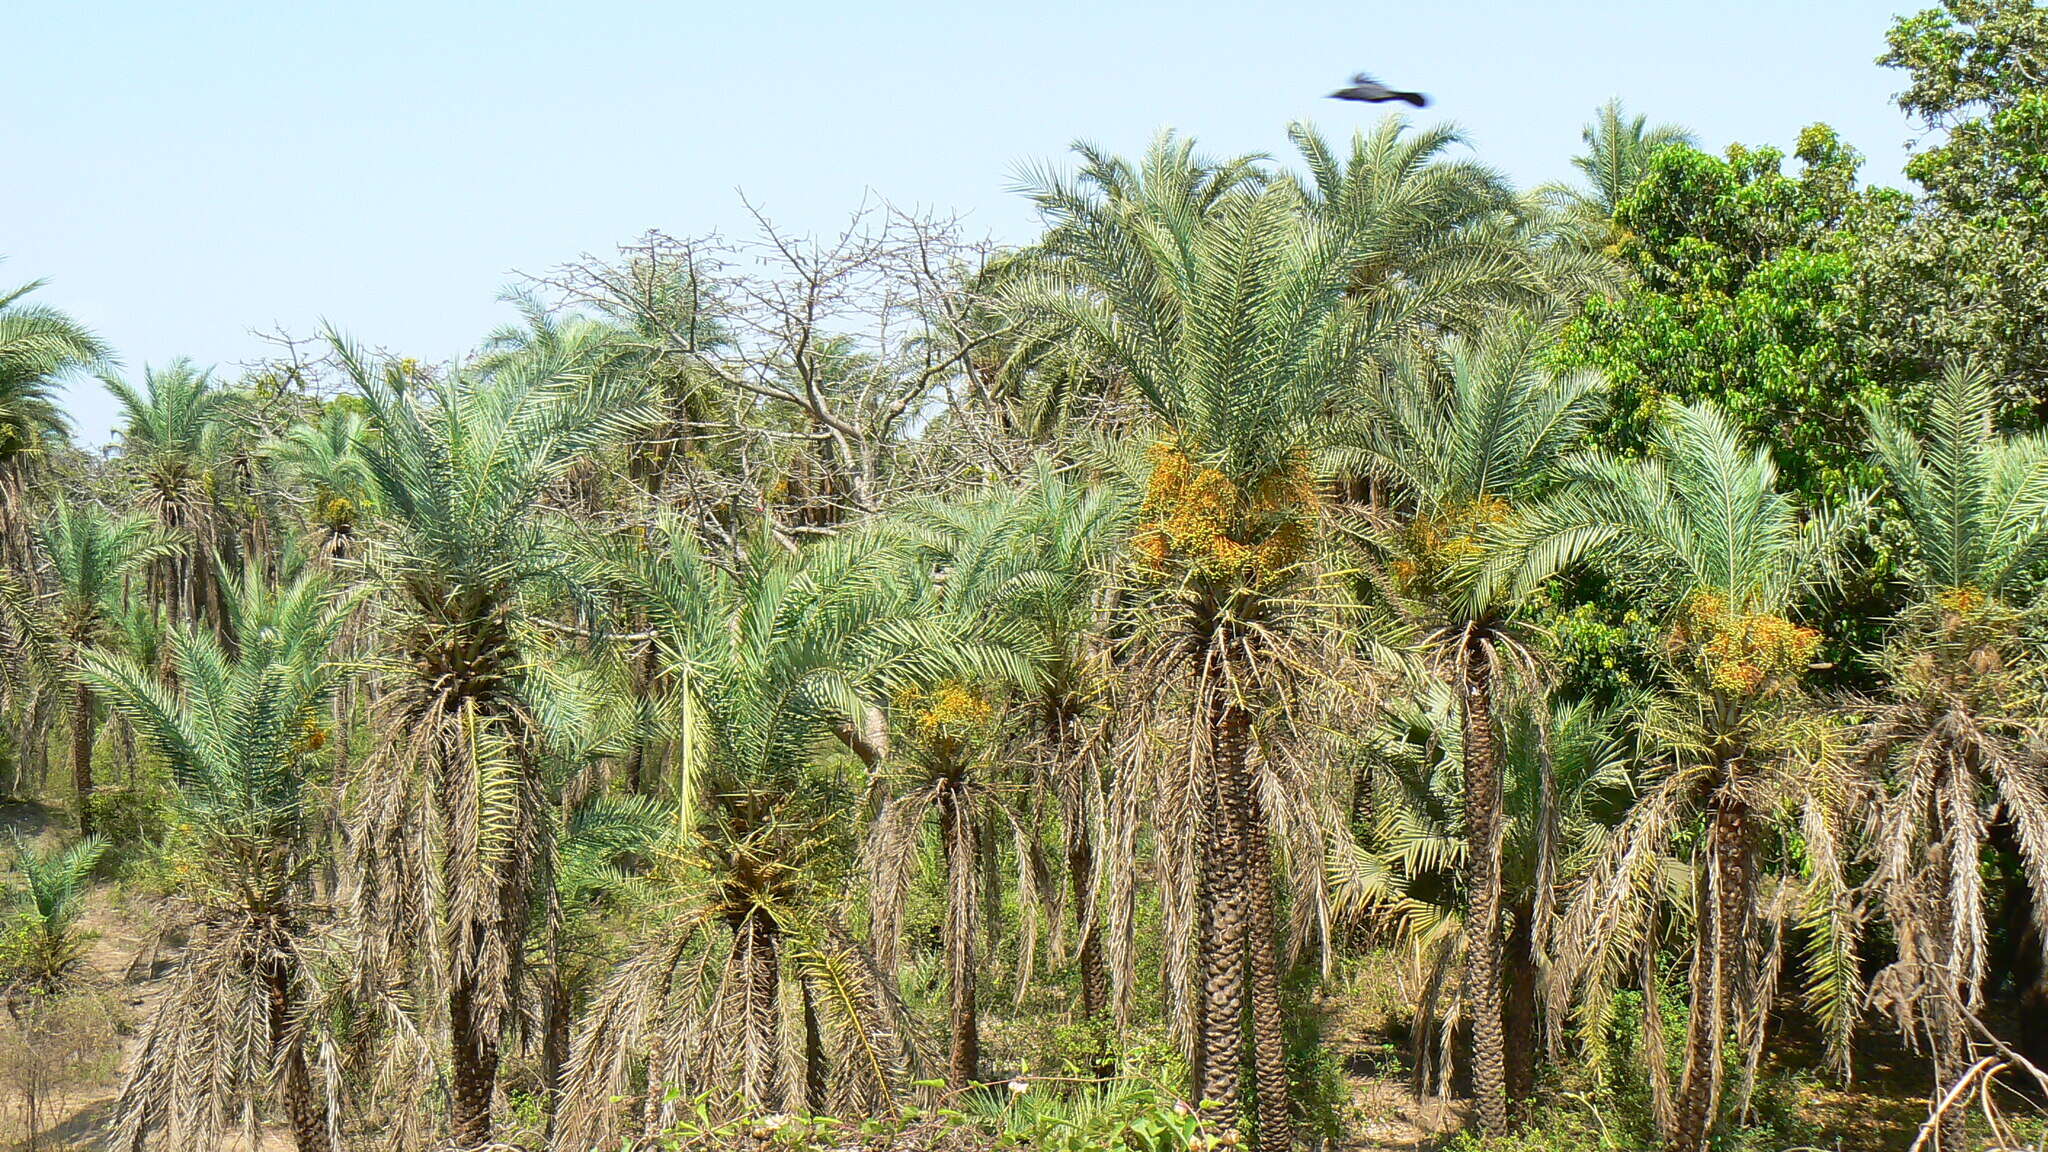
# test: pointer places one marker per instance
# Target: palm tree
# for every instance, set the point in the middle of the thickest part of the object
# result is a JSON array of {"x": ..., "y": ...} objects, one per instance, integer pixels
[
  {"x": 769, "y": 658},
  {"x": 324, "y": 459},
  {"x": 1619, "y": 148},
  {"x": 1565, "y": 784},
  {"x": 1701, "y": 529},
  {"x": 1227, "y": 311},
  {"x": 449, "y": 827},
  {"x": 1430, "y": 249},
  {"x": 169, "y": 440},
  {"x": 91, "y": 556},
  {"x": 1465, "y": 444},
  {"x": 1965, "y": 687},
  {"x": 238, "y": 734},
  {"x": 1036, "y": 560},
  {"x": 46, "y": 945},
  {"x": 39, "y": 346}
]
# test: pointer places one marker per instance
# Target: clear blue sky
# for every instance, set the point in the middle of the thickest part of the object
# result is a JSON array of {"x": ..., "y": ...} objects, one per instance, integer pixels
[{"x": 185, "y": 173}]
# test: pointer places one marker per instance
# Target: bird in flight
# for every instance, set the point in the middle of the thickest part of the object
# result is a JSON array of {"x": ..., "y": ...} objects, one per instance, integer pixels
[{"x": 1371, "y": 91}]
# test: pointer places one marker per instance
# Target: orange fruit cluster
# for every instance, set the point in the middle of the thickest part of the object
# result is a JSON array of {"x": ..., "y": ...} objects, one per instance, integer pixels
[
  {"x": 1199, "y": 520},
  {"x": 1742, "y": 653}
]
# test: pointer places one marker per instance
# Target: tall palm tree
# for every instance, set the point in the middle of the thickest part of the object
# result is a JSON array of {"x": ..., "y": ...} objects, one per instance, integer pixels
[
  {"x": 449, "y": 825},
  {"x": 1465, "y": 443},
  {"x": 769, "y": 659},
  {"x": 39, "y": 346},
  {"x": 1701, "y": 529},
  {"x": 170, "y": 440},
  {"x": 1565, "y": 784},
  {"x": 1619, "y": 148},
  {"x": 92, "y": 556},
  {"x": 238, "y": 734},
  {"x": 1426, "y": 226},
  {"x": 1959, "y": 730},
  {"x": 324, "y": 459},
  {"x": 1228, "y": 314}
]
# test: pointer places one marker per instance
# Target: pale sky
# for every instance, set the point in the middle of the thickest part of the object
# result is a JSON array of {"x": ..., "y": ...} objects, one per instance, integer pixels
[{"x": 183, "y": 174}]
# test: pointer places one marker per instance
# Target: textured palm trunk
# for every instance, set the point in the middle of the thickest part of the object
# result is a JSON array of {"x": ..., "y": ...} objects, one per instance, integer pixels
[
  {"x": 1519, "y": 1011},
  {"x": 956, "y": 826},
  {"x": 473, "y": 1061},
  {"x": 81, "y": 755},
  {"x": 1719, "y": 968},
  {"x": 814, "y": 1057},
  {"x": 1269, "y": 1026},
  {"x": 1226, "y": 917},
  {"x": 302, "y": 1108},
  {"x": 1094, "y": 977},
  {"x": 1239, "y": 960},
  {"x": 760, "y": 961},
  {"x": 1482, "y": 917},
  {"x": 1088, "y": 957}
]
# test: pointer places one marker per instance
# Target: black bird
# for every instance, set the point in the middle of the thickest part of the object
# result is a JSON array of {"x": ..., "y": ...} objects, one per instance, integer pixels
[{"x": 1371, "y": 91}]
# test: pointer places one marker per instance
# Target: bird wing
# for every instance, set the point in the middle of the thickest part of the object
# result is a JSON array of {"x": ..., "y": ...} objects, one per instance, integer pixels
[{"x": 1361, "y": 79}]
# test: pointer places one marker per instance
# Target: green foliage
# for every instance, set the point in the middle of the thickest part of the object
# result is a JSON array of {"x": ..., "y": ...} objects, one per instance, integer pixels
[
  {"x": 1744, "y": 300},
  {"x": 42, "y": 944}
]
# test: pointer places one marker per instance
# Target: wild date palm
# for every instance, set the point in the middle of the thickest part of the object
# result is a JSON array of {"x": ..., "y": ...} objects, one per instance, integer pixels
[
  {"x": 91, "y": 557},
  {"x": 1429, "y": 253},
  {"x": 240, "y": 736},
  {"x": 448, "y": 824},
  {"x": 1959, "y": 730},
  {"x": 1465, "y": 442},
  {"x": 1701, "y": 529},
  {"x": 39, "y": 347},
  {"x": 770, "y": 658},
  {"x": 1619, "y": 148},
  {"x": 1565, "y": 784},
  {"x": 1228, "y": 313},
  {"x": 1037, "y": 561},
  {"x": 44, "y": 943},
  {"x": 323, "y": 461},
  {"x": 170, "y": 441}
]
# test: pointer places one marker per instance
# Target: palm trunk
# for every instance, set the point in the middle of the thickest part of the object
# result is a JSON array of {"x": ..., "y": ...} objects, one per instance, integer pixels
[
  {"x": 1719, "y": 970},
  {"x": 1269, "y": 1027},
  {"x": 956, "y": 826},
  {"x": 1081, "y": 882},
  {"x": 1518, "y": 1013},
  {"x": 815, "y": 1084},
  {"x": 81, "y": 755},
  {"x": 1227, "y": 917},
  {"x": 1482, "y": 918},
  {"x": 473, "y": 1061},
  {"x": 1239, "y": 959},
  {"x": 759, "y": 945},
  {"x": 302, "y": 1108}
]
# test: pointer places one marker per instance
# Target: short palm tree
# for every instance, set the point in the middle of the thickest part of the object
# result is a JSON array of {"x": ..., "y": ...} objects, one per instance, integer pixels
[
  {"x": 239, "y": 734},
  {"x": 1701, "y": 529},
  {"x": 1960, "y": 728},
  {"x": 39, "y": 347},
  {"x": 92, "y": 557},
  {"x": 449, "y": 822},
  {"x": 1226, "y": 310},
  {"x": 1037, "y": 561},
  {"x": 43, "y": 944},
  {"x": 770, "y": 660},
  {"x": 1466, "y": 444}
]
